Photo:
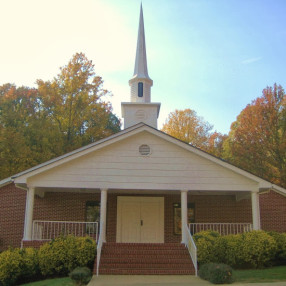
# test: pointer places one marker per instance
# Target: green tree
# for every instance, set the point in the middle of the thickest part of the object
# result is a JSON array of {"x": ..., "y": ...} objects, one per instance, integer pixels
[
  {"x": 257, "y": 139},
  {"x": 73, "y": 101},
  {"x": 57, "y": 117}
]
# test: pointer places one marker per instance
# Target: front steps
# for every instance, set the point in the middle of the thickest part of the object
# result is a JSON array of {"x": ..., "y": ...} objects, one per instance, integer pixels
[{"x": 145, "y": 259}]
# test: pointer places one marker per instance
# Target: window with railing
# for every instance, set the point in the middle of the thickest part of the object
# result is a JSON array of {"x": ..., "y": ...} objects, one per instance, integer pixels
[
  {"x": 177, "y": 216},
  {"x": 92, "y": 214}
]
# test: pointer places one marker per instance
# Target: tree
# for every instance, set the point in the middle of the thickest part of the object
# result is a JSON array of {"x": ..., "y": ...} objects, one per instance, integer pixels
[
  {"x": 59, "y": 116},
  {"x": 187, "y": 126},
  {"x": 73, "y": 101},
  {"x": 257, "y": 139}
]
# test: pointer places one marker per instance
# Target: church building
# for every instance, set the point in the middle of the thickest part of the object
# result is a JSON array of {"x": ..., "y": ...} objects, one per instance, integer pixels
[{"x": 139, "y": 192}]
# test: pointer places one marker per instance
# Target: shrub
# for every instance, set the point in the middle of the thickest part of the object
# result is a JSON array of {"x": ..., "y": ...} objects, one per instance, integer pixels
[
  {"x": 81, "y": 275},
  {"x": 254, "y": 249},
  {"x": 216, "y": 273},
  {"x": 62, "y": 255},
  {"x": 257, "y": 249},
  {"x": 280, "y": 239},
  {"x": 29, "y": 264},
  {"x": 10, "y": 267},
  {"x": 205, "y": 241},
  {"x": 226, "y": 249}
]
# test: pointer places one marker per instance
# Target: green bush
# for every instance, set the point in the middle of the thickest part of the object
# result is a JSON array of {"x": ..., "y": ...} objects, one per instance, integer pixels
[
  {"x": 10, "y": 267},
  {"x": 29, "y": 264},
  {"x": 280, "y": 239},
  {"x": 226, "y": 249},
  {"x": 81, "y": 275},
  {"x": 249, "y": 250},
  {"x": 205, "y": 241},
  {"x": 257, "y": 249},
  {"x": 216, "y": 273},
  {"x": 62, "y": 255}
]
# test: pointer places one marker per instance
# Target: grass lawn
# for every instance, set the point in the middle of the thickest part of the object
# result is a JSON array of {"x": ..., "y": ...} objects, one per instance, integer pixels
[
  {"x": 52, "y": 282},
  {"x": 274, "y": 274}
]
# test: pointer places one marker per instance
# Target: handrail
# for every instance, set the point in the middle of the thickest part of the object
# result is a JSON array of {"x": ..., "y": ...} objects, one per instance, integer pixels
[
  {"x": 222, "y": 228},
  {"x": 47, "y": 230},
  {"x": 98, "y": 253},
  {"x": 190, "y": 244}
]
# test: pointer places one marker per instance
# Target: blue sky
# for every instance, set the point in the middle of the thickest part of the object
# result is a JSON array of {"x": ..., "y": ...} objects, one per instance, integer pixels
[{"x": 213, "y": 56}]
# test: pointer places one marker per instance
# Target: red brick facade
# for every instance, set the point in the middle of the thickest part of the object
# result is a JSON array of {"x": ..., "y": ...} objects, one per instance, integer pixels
[
  {"x": 12, "y": 213},
  {"x": 273, "y": 212},
  {"x": 71, "y": 207}
]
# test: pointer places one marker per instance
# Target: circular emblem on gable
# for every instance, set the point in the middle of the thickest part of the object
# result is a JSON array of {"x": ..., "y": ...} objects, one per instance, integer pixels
[{"x": 145, "y": 150}]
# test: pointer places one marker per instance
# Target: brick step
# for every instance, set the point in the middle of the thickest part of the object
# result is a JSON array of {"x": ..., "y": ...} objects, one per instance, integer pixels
[
  {"x": 132, "y": 259},
  {"x": 117, "y": 271},
  {"x": 145, "y": 258},
  {"x": 119, "y": 251},
  {"x": 145, "y": 266},
  {"x": 112, "y": 245}
]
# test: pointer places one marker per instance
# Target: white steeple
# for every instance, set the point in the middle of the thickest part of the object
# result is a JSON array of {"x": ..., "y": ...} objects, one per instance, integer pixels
[{"x": 140, "y": 109}]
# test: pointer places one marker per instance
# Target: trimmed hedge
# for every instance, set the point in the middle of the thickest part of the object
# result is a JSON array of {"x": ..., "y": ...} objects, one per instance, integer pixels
[
  {"x": 55, "y": 258},
  {"x": 280, "y": 239},
  {"x": 254, "y": 249},
  {"x": 217, "y": 273},
  {"x": 62, "y": 255},
  {"x": 81, "y": 275}
]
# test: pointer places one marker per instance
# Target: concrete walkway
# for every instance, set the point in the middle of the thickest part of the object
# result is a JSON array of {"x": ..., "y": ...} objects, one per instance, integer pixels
[{"x": 160, "y": 280}]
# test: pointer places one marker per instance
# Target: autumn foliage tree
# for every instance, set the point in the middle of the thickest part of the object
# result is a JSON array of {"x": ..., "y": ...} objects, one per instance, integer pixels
[
  {"x": 187, "y": 126},
  {"x": 257, "y": 139},
  {"x": 73, "y": 101},
  {"x": 37, "y": 124}
]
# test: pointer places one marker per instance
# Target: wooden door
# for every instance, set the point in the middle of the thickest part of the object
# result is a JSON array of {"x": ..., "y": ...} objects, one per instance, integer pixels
[{"x": 140, "y": 219}]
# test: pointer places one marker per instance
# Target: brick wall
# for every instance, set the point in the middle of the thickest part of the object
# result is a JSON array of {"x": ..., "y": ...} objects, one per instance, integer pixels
[
  {"x": 71, "y": 207},
  {"x": 12, "y": 211},
  {"x": 273, "y": 211},
  {"x": 207, "y": 209}
]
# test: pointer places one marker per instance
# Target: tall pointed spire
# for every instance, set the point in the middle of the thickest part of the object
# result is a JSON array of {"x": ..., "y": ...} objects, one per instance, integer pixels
[
  {"x": 140, "y": 69},
  {"x": 140, "y": 108},
  {"x": 141, "y": 82}
]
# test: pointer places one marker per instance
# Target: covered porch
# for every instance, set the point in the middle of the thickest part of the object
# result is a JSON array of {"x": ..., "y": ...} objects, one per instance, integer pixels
[
  {"x": 52, "y": 213},
  {"x": 137, "y": 216}
]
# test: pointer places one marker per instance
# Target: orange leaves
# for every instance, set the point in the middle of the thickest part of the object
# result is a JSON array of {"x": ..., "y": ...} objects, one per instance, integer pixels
[{"x": 257, "y": 139}]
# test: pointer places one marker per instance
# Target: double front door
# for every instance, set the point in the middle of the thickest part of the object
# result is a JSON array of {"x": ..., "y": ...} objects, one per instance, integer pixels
[{"x": 140, "y": 219}]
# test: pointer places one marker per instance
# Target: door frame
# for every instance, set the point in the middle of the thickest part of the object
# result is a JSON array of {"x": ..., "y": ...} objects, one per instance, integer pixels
[{"x": 120, "y": 202}]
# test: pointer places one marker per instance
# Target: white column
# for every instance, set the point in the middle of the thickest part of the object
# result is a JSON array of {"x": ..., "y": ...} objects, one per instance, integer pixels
[
  {"x": 103, "y": 203},
  {"x": 255, "y": 210},
  {"x": 184, "y": 212},
  {"x": 28, "y": 225}
]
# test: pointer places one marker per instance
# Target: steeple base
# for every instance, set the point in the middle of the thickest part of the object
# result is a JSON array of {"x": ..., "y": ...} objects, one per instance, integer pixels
[{"x": 134, "y": 113}]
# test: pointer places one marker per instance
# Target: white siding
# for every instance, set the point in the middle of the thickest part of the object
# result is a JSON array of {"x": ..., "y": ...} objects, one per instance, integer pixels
[{"x": 120, "y": 166}]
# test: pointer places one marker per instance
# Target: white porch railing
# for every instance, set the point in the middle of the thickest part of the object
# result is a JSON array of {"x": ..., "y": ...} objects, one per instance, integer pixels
[
  {"x": 222, "y": 228},
  {"x": 47, "y": 230},
  {"x": 190, "y": 244}
]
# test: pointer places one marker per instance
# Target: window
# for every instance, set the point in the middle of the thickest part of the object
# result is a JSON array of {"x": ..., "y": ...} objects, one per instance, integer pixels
[
  {"x": 92, "y": 214},
  {"x": 140, "y": 89},
  {"x": 177, "y": 216}
]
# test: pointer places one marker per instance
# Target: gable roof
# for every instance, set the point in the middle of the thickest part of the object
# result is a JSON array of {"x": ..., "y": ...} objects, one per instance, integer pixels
[{"x": 133, "y": 130}]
